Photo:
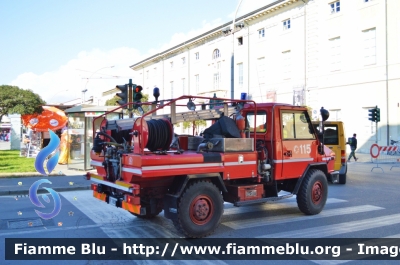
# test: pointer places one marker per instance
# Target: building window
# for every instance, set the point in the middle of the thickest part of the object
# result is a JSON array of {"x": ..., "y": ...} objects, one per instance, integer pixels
[
  {"x": 183, "y": 60},
  {"x": 216, "y": 81},
  {"x": 217, "y": 76},
  {"x": 369, "y": 46},
  {"x": 286, "y": 64},
  {"x": 335, "y": 7},
  {"x": 197, "y": 83},
  {"x": 286, "y": 24},
  {"x": 172, "y": 89},
  {"x": 261, "y": 71},
  {"x": 197, "y": 56},
  {"x": 261, "y": 33},
  {"x": 171, "y": 64},
  {"x": 240, "y": 74},
  {"x": 335, "y": 115},
  {"x": 335, "y": 53},
  {"x": 216, "y": 54},
  {"x": 240, "y": 41}
]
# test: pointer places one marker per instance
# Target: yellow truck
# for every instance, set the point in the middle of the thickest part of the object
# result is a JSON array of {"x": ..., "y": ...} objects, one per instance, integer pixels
[{"x": 335, "y": 139}]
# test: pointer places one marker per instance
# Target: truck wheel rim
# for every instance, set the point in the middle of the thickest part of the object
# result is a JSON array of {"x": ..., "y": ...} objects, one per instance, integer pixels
[
  {"x": 201, "y": 210},
  {"x": 317, "y": 191}
]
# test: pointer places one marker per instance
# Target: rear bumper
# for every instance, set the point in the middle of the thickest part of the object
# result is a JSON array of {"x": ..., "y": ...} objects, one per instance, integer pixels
[
  {"x": 335, "y": 176},
  {"x": 343, "y": 169}
]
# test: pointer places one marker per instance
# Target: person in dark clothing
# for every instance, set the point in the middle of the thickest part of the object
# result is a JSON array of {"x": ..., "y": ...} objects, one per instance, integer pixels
[{"x": 353, "y": 146}]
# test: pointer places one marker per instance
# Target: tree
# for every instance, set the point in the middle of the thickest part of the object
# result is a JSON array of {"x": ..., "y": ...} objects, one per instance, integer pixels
[
  {"x": 112, "y": 101},
  {"x": 197, "y": 124},
  {"x": 17, "y": 100}
]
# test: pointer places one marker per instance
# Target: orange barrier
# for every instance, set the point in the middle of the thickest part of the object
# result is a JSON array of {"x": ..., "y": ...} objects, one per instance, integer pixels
[{"x": 384, "y": 155}]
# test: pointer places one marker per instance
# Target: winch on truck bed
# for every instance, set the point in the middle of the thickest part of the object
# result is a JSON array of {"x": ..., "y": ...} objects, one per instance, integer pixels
[{"x": 251, "y": 153}]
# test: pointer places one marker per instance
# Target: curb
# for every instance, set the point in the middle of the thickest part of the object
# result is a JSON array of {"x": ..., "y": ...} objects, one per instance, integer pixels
[
  {"x": 26, "y": 192},
  {"x": 36, "y": 174}
]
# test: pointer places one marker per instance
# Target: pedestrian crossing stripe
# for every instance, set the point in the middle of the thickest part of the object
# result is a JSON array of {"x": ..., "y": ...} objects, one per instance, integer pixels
[
  {"x": 288, "y": 203},
  {"x": 338, "y": 228},
  {"x": 161, "y": 227},
  {"x": 288, "y": 218}
]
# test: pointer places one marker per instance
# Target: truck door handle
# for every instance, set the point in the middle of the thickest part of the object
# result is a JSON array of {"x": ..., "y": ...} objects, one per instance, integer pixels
[{"x": 288, "y": 153}]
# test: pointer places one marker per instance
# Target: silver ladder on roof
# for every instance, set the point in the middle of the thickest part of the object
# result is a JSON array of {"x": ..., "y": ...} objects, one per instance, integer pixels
[{"x": 194, "y": 115}]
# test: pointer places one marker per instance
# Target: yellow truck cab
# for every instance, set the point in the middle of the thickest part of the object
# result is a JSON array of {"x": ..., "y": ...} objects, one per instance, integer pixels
[{"x": 335, "y": 139}]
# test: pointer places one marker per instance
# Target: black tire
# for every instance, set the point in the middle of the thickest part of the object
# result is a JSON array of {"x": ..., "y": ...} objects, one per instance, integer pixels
[
  {"x": 207, "y": 199},
  {"x": 343, "y": 177},
  {"x": 313, "y": 192}
]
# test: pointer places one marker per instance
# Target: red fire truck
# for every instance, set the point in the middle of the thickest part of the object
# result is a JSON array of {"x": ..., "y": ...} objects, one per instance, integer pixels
[{"x": 251, "y": 153}]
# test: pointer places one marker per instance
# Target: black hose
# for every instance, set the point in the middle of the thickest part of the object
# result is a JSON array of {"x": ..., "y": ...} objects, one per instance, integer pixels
[
  {"x": 108, "y": 136},
  {"x": 159, "y": 135}
]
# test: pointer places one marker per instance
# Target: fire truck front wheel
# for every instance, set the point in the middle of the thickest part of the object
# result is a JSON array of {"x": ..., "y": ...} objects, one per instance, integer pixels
[
  {"x": 200, "y": 209},
  {"x": 313, "y": 192}
]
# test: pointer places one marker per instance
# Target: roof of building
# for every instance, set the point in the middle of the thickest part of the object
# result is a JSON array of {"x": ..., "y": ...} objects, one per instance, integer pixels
[{"x": 218, "y": 30}]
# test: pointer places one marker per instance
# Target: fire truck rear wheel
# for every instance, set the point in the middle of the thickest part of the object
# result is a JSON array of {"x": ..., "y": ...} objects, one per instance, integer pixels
[
  {"x": 200, "y": 209},
  {"x": 313, "y": 192}
]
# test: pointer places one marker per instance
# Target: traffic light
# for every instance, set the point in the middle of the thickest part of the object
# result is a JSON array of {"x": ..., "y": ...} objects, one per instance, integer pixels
[
  {"x": 123, "y": 95},
  {"x": 378, "y": 114},
  {"x": 137, "y": 95},
  {"x": 372, "y": 114}
]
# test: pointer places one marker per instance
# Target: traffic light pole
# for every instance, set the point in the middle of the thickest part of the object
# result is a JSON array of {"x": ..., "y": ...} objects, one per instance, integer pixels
[{"x": 130, "y": 97}]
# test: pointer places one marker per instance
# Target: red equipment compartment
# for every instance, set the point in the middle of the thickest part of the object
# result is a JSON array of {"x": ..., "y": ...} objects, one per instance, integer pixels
[
  {"x": 137, "y": 167},
  {"x": 238, "y": 193},
  {"x": 240, "y": 165}
]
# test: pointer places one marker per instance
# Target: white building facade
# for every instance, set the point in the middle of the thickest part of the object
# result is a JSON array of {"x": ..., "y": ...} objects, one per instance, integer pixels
[{"x": 342, "y": 55}]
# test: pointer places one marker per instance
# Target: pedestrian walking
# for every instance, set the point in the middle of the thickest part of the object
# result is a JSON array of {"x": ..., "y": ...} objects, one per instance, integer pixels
[{"x": 353, "y": 146}]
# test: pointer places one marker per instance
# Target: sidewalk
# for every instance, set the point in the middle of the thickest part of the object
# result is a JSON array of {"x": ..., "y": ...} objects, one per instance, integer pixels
[{"x": 62, "y": 180}]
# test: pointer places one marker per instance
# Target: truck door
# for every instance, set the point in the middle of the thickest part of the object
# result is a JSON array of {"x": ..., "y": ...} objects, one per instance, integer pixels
[{"x": 299, "y": 145}]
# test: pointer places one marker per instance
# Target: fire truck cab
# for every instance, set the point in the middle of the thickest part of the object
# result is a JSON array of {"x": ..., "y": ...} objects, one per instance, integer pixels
[{"x": 251, "y": 153}]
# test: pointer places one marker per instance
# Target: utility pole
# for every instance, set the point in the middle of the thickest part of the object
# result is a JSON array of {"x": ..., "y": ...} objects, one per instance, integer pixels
[{"x": 130, "y": 98}]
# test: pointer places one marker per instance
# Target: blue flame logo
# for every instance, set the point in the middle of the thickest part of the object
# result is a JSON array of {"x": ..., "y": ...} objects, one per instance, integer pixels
[
  {"x": 35, "y": 200},
  {"x": 45, "y": 152}
]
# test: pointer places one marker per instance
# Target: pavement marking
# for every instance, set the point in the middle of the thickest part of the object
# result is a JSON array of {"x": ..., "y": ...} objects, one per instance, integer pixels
[
  {"x": 338, "y": 228},
  {"x": 286, "y": 203},
  {"x": 46, "y": 229},
  {"x": 119, "y": 223},
  {"x": 288, "y": 218}
]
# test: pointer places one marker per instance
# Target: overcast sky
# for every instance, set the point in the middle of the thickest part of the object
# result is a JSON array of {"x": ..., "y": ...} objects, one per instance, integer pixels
[{"x": 59, "y": 48}]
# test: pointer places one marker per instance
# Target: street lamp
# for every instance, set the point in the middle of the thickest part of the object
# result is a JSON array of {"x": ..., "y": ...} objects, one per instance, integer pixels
[
  {"x": 85, "y": 90},
  {"x": 233, "y": 53},
  {"x": 83, "y": 95}
]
